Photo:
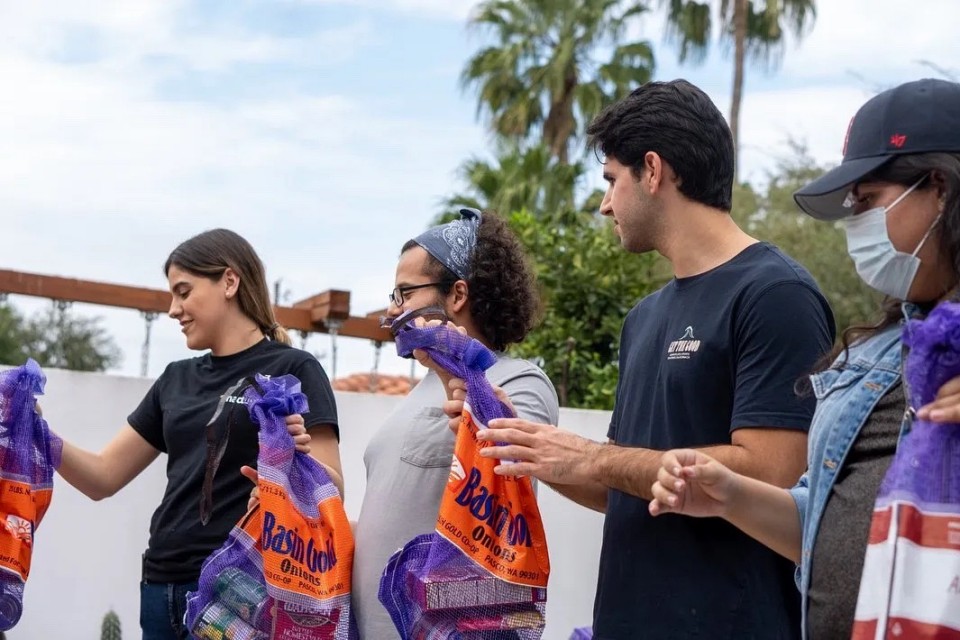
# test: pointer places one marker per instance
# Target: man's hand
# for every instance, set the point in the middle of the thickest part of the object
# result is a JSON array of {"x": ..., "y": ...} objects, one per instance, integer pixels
[{"x": 539, "y": 450}]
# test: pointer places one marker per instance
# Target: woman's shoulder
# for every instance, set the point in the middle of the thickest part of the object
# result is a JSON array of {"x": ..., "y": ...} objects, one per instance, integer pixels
[{"x": 873, "y": 350}]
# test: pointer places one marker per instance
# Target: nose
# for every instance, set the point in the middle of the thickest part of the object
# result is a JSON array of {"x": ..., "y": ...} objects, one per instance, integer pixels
[
  {"x": 175, "y": 309},
  {"x": 393, "y": 311},
  {"x": 606, "y": 205}
]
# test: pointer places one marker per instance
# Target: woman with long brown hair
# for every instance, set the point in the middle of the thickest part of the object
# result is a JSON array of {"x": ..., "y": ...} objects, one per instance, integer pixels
[{"x": 221, "y": 301}]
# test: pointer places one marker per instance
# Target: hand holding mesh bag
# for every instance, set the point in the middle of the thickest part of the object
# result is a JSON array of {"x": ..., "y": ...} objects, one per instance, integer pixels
[{"x": 482, "y": 574}]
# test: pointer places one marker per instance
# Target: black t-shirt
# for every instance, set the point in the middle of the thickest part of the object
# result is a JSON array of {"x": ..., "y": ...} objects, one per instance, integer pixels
[
  {"x": 700, "y": 358},
  {"x": 172, "y": 417}
]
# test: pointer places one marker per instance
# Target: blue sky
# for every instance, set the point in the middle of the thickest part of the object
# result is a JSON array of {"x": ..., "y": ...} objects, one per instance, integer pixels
[{"x": 325, "y": 131}]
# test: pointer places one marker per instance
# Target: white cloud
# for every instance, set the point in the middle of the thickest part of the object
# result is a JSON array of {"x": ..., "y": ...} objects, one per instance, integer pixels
[
  {"x": 101, "y": 179},
  {"x": 880, "y": 39}
]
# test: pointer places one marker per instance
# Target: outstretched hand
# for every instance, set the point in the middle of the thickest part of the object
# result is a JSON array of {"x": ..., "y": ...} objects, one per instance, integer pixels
[{"x": 539, "y": 450}]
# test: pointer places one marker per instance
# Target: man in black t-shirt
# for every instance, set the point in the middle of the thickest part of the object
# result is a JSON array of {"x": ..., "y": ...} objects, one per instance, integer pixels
[{"x": 711, "y": 361}]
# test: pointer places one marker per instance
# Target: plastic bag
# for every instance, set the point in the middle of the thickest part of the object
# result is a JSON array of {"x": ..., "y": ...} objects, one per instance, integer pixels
[
  {"x": 29, "y": 453},
  {"x": 482, "y": 575},
  {"x": 284, "y": 572},
  {"x": 911, "y": 576}
]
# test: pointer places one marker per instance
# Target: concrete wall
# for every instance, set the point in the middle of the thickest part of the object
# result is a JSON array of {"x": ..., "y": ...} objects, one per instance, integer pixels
[{"x": 87, "y": 554}]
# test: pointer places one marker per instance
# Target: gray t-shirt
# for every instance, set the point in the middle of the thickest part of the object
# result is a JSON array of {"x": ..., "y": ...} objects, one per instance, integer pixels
[{"x": 408, "y": 464}]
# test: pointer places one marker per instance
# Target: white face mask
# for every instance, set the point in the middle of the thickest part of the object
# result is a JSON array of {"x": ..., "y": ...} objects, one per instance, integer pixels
[{"x": 878, "y": 262}]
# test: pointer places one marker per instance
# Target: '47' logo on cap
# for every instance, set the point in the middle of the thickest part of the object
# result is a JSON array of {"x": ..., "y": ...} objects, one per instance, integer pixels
[{"x": 898, "y": 140}]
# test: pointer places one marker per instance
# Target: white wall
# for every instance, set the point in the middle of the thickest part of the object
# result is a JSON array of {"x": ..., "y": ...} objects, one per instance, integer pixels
[{"x": 87, "y": 554}]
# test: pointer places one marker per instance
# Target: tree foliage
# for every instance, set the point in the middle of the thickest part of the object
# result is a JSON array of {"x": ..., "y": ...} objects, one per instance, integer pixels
[
  {"x": 588, "y": 284},
  {"x": 541, "y": 81},
  {"x": 56, "y": 338},
  {"x": 754, "y": 28},
  {"x": 770, "y": 214}
]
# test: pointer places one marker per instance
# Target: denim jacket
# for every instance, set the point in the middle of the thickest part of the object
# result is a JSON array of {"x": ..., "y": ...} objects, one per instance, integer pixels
[{"x": 846, "y": 397}]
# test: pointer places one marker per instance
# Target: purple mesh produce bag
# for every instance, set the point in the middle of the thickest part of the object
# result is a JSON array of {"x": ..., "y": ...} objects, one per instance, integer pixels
[
  {"x": 284, "y": 571},
  {"x": 482, "y": 574},
  {"x": 29, "y": 453},
  {"x": 910, "y": 586}
]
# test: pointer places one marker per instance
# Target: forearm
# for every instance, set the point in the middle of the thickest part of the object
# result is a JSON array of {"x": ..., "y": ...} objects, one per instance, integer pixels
[
  {"x": 86, "y": 472},
  {"x": 767, "y": 514},
  {"x": 100, "y": 475},
  {"x": 631, "y": 470},
  {"x": 335, "y": 477},
  {"x": 776, "y": 468},
  {"x": 592, "y": 495},
  {"x": 325, "y": 449}
]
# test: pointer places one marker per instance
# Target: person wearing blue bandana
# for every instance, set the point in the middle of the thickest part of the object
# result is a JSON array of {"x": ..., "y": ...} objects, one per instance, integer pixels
[
  {"x": 473, "y": 272},
  {"x": 897, "y": 195}
]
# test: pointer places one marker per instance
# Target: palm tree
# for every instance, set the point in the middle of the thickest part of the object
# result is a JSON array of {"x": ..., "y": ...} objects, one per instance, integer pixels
[
  {"x": 541, "y": 76},
  {"x": 518, "y": 179},
  {"x": 755, "y": 27}
]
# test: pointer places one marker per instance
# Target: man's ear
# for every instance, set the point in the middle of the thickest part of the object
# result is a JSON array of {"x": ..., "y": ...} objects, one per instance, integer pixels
[
  {"x": 653, "y": 172},
  {"x": 460, "y": 294}
]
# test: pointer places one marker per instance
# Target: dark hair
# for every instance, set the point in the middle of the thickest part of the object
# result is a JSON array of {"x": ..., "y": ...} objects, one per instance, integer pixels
[
  {"x": 503, "y": 298},
  {"x": 210, "y": 253},
  {"x": 906, "y": 170},
  {"x": 679, "y": 122}
]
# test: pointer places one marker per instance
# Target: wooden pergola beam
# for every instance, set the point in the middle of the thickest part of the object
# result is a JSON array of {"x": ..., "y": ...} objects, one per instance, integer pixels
[{"x": 315, "y": 314}]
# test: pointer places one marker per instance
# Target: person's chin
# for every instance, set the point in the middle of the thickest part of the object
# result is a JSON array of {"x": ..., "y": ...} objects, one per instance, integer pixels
[{"x": 195, "y": 343}]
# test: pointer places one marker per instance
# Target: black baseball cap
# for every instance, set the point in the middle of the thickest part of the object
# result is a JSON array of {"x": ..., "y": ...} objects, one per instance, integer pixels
[{"x": 915, "y": 117}]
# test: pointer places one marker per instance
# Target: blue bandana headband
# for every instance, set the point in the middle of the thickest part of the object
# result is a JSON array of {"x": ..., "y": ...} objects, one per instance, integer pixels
[{"x": 452, "y": 244}]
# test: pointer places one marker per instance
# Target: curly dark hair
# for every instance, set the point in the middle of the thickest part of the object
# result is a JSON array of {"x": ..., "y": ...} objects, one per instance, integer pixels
[{"x": 503, "y": 297}]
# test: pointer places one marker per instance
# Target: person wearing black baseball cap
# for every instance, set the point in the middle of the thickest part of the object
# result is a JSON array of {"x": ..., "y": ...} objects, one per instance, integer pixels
[{"x": 897, "y": 195}]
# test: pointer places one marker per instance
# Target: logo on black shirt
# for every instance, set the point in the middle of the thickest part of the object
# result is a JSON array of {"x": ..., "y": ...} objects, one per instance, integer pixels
[
  {"x": 683, "y": 348},
  {"x": 237, "y": 397}
]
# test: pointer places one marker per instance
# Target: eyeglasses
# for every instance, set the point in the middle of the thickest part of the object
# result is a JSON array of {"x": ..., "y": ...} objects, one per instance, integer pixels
[{"x": 397, "y": 295}]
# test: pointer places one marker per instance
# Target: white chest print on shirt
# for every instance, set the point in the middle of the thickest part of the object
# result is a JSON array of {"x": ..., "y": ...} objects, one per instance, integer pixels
[
  {"x": 684, "y": 347},
  {"x": 238, "y": 396}
]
